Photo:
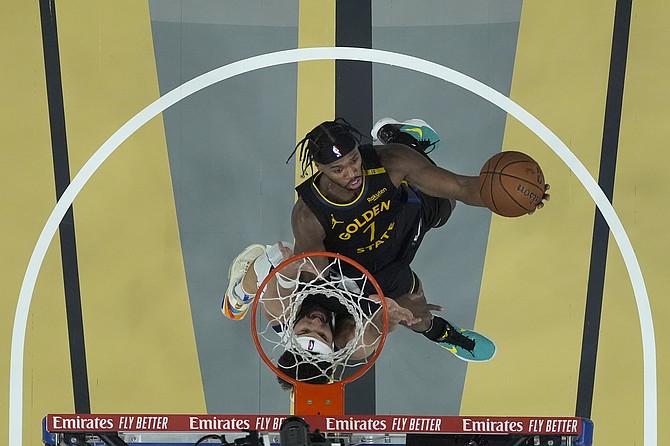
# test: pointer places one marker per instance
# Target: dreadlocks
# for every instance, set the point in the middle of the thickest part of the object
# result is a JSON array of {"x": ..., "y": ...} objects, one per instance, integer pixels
[{"x": 326, "y": 143}]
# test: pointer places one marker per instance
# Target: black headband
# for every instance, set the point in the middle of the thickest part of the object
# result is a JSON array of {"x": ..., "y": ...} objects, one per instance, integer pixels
[
  {"x": 326, "y": 143},
  {"x": 329, "y": 152}
]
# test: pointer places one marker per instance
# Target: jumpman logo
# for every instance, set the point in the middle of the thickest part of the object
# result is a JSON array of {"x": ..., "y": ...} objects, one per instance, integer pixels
[{"x": 334, "y": 222}]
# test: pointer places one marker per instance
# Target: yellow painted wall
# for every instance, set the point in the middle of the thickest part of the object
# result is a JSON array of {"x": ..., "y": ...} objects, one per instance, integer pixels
[
  {"x": 316, "y": 79},
  {"x": 537, "y": 268},
  {"x": 639, "y": 196},
  {"x": 135, "y": 302},
  {"x": 27, "y": 197},
  {"x": 138, "y": 328}
]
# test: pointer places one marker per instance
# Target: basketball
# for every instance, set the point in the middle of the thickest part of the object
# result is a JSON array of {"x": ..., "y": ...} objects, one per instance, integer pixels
[{"x": 511, "y": 184}]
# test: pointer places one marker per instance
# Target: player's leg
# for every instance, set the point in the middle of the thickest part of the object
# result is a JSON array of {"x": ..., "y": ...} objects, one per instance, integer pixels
[
  {"x": 245, "y": 275},
  {"x": 467, "y": 345}
]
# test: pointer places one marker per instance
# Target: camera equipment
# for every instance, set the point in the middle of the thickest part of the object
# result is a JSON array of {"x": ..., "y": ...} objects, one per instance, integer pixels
[{"x": 294, "y": 431}]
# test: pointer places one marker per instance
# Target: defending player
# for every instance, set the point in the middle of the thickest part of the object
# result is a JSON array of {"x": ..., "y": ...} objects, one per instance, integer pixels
[{"x": 321, "y": 325}]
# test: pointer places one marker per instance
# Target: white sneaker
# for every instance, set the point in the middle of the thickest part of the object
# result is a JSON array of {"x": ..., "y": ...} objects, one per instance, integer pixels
[{"x": 234, "y": 306}]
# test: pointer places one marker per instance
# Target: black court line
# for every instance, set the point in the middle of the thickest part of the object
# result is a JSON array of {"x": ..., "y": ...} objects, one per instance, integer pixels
[
  {"x": 68, "y": 245},
  {"x": 353, "y": 101},
  {"x": 608, "y": 156}
]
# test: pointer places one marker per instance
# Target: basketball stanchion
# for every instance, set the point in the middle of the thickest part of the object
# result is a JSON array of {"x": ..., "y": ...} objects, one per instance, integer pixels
[{"x": 319, "y": 321}]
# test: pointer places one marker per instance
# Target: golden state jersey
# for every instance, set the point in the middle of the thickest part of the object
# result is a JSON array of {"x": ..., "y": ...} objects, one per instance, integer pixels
[{"x": 379, "y": 228}]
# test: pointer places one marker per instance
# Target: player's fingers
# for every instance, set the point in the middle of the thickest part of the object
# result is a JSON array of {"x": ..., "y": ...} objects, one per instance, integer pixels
[
  {"x": 285, "y": 250},
  {"x": 404, "y": 315},
  {"x": 546, "y": 196},
  {"x": 404, "y": 312},
  {"x": 397, "y": 312},
  {"x": 411, "y": 319}
]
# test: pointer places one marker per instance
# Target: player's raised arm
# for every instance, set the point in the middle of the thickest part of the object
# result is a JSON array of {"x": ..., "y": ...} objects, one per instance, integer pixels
[{"x": 405, "y": 164}]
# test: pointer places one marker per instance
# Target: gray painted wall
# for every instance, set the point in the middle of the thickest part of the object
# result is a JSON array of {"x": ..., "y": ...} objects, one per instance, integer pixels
[
  {"x": 478, "y": 39},
  {"x": 228, "y": 146}
]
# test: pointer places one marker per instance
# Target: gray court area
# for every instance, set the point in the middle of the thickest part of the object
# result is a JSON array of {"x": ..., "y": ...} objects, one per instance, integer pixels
[{"x": 228, "y": 145}]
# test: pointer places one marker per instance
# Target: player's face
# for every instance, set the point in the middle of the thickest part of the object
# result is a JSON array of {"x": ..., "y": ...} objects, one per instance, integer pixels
[
  {"x": 316, "y": 323},
  {"x": 347, "y": 172}
]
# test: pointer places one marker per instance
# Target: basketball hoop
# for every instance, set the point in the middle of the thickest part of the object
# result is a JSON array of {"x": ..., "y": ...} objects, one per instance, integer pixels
[{"x": 333, "y": 293}]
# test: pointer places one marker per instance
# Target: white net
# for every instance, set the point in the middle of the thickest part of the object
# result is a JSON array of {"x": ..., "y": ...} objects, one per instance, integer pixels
[{"x": 344, "y": 293}]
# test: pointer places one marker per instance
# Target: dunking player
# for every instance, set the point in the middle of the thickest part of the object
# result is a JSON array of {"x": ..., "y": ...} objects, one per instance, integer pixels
[
  {"x": 352, "y": 179},
  {"x": 374, "y": 204}
]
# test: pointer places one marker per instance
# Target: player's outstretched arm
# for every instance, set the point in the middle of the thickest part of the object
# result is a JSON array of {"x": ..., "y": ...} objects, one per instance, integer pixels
[{"x": 405, "y": 164}]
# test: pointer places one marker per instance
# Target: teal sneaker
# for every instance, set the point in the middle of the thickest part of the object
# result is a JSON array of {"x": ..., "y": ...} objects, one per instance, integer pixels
[
  {"x": 415, "y": 133},
  {"x": 466, "y": 344}
]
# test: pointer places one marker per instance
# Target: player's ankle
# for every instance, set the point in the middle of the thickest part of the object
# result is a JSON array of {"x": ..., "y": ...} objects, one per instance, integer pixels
[
  {"x": 436, "y": 329},
  {"x": 249, "y": 282},
  {"x": 241, "y": 295}
]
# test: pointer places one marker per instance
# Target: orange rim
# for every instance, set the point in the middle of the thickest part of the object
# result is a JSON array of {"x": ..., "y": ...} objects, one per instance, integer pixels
[{"x": 332, "y": 389}]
